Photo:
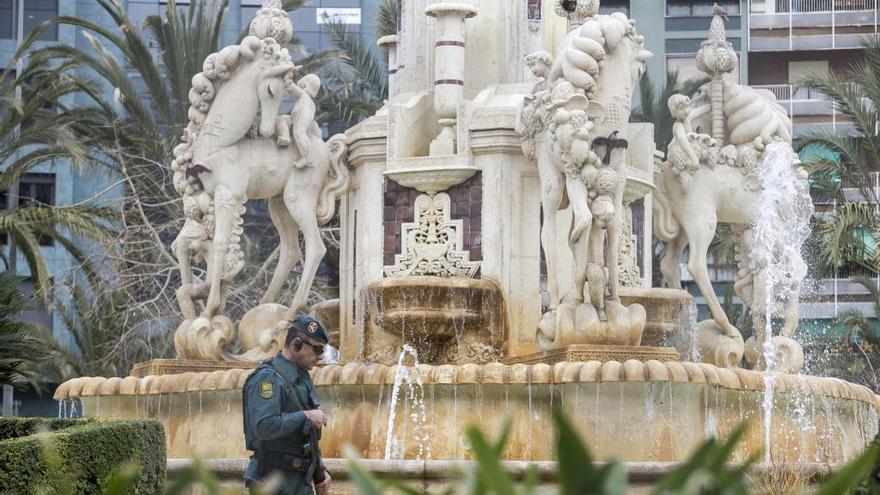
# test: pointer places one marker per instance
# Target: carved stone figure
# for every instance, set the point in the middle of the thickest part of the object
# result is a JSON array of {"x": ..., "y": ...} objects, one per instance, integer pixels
[
  {"x": 586, "y": 93},
  {"x": 222, "y": 162},
  {"x": 704, "y": 182}
]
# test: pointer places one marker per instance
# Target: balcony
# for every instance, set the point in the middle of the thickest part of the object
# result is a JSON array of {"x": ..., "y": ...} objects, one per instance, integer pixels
[
  {"x": 786, "y": 25},
  {"x": 809, "y": 109}
]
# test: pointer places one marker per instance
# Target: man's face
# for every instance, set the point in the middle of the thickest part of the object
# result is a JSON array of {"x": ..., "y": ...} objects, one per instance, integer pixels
[{"x": 308, "y": 355}]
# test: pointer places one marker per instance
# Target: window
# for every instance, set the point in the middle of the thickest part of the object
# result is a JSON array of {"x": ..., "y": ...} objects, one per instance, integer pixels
[
  {"x": 34, "y": 191},
  {"x": 612, "y": 6},
  {"x": 699, "y": 8},
  {"x": 7, "y": 19},
  {"x": 37, "y": 12}
]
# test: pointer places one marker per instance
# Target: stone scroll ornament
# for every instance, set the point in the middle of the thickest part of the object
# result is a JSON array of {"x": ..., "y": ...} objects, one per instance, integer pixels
[
  {"x": 569, "y": 125},
  {"x": 234, "y": 149},
  {"x": 741, "y": 174}
]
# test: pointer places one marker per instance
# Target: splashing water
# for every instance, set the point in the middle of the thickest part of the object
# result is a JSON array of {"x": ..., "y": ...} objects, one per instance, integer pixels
[
  {"x": 330, "y": 356},
  {"x": 415, "y": 397},
  {"x": 781, "y": 227},
  {"x": 686, "y": 340}
]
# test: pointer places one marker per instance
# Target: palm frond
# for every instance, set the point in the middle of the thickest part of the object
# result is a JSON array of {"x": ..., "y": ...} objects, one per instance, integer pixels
[
  {"x": 844, "y": 233},
  {"x": 385, "y": 22}
]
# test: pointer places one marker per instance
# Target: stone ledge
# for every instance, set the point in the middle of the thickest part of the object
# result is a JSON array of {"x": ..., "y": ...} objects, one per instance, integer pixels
[{"x": 179, "y": 366}]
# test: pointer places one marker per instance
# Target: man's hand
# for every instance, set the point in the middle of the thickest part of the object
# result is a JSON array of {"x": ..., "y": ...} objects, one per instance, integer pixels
[
  {"x": 317, "y": 417},
  {"x": 323, "y": 488}
]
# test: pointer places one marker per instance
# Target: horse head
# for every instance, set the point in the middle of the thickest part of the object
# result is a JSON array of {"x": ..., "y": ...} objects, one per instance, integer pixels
[{"x": 270, "y": 91}]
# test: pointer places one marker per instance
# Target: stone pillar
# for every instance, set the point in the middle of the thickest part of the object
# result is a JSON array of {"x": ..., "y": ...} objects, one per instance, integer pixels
[
  {"x": 449, "y": 63},
  {"x": 389, "y": 44}
]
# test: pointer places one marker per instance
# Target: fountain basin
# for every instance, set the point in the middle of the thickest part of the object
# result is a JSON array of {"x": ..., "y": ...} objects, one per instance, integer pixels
[
  {"x": 671, "y": 315},
  {"x": 669, "y": 408},
  {"x": 447, "y": 320}
]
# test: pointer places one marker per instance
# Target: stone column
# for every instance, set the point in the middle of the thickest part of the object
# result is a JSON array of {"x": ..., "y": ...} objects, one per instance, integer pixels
[
  {"x": 389, "y": 44},
  {"x": 449, "y": 63}
]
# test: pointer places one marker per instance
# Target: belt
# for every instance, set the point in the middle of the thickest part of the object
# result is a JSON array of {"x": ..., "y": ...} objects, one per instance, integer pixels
[{"x": 284, "y": 462}]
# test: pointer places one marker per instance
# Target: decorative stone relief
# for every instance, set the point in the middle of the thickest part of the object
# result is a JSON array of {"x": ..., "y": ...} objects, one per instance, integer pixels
[
  {"x": 433, "y": 243},
  {"x": 630, "y": 276}
]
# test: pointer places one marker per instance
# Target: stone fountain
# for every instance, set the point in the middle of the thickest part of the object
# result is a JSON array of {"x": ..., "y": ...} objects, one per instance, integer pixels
[{"x": 496, "y": 225}]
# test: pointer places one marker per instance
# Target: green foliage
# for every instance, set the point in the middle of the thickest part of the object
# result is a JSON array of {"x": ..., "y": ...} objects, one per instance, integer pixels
[
  {"x": 33, "y": 133},
  {"x": 22, "y": 427},
  {"x": 81, "y": 456},
  {"x": 706, "y": 471},
  {"x": 848, "y": 159},
  {"x": 17, "y": 346}
]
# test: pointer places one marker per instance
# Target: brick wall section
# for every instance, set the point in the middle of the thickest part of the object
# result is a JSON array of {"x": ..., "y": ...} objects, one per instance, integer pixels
[{"x": 467, "y": 205}]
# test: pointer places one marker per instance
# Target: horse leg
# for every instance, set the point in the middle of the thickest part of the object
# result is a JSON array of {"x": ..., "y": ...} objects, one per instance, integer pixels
[
  {"x": 669, "y": 265},
  {"x": 314, "y": 249},
  {"x": 226, "y": 204},
  {"x": 289, "y": 254},
  {"x": 185, "y": 291},
  {"x": 700, "y": 237},
  {"x": 551, "y": 200}
]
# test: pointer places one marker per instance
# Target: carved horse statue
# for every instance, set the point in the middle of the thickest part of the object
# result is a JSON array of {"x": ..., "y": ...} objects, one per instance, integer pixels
[
  {"x": 222, "y": 163},
  {"x": 581, "y": 97},
  {"x": 724, "y": 187}
]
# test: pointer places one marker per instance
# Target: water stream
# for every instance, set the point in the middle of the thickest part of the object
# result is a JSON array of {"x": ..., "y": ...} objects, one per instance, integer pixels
[
  {"x": 414, "y": 401},
  {"x": 781, "y": 227}
]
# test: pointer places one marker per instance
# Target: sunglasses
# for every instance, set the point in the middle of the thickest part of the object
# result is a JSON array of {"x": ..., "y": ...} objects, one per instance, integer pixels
[{"x": 318, "y": 348}]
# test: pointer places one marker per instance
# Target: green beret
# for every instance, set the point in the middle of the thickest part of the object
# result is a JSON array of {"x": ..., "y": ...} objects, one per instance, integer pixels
[{"x": 310, "y": 327}]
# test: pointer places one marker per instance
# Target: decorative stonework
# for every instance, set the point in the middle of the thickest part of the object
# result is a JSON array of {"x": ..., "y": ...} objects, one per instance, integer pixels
[
  {"x": 158, "y": 367},
  {"x": 433, "y": 243},
  {"x": 578, "y": 353},
  {"x": 630, "y": 276}
]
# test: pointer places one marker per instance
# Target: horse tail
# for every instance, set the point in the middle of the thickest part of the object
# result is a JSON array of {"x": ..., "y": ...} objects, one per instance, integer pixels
[
  {"x": 666, "y": 227},
  {"x": 339, "y": 178}
]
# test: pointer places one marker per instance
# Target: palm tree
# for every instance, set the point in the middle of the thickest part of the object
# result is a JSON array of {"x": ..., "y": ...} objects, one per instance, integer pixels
[
  {"x": 850, "y": 232},
  {"x": 34, "y": 132},
  {"x": 359, "y": 84},
  {"x": 17, "y": 346}
]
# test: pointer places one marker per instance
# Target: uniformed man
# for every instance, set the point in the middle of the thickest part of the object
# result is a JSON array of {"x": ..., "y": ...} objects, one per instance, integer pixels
[{"x": 282, "y": 422}]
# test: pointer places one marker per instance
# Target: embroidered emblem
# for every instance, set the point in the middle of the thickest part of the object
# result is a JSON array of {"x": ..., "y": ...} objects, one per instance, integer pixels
[
  {"x": 267, "y": 390},
  {"x": 313, "y": 327}
]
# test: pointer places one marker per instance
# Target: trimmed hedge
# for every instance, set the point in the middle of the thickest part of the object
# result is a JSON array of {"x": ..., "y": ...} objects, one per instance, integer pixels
[{"x": 79, "y": 456}]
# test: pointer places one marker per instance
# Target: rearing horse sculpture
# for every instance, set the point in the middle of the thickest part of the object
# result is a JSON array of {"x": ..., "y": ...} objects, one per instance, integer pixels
[{"x": 221, "y": 164}]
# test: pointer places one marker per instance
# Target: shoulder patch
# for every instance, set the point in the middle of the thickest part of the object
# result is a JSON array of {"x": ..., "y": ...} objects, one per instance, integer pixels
[{"x": 267, "y": 390}]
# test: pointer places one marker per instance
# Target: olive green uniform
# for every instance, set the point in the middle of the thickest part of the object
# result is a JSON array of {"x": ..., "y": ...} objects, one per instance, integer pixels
[{"x": 276, "y": 428}]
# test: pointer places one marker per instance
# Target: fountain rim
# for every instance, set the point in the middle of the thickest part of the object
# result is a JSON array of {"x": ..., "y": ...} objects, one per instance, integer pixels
[
  {"x": 362, "y": 373},
  {"x": 429, "y": 281}
]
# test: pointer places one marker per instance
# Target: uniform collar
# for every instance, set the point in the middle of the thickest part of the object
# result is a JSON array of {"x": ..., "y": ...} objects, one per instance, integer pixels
[{"x": 289, "y": 368}]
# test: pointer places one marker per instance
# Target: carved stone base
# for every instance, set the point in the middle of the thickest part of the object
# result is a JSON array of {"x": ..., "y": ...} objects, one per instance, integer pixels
[
  {"x": 602, "y": 353},
  {"x": 178, "y": 366}
]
